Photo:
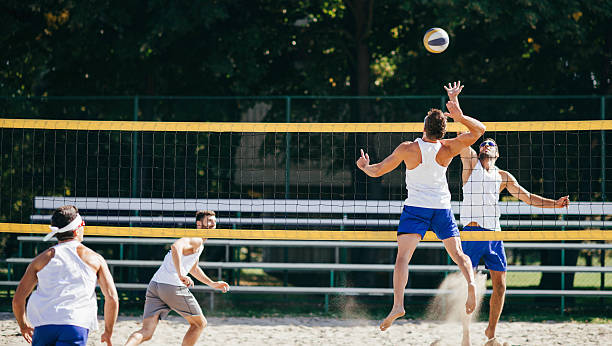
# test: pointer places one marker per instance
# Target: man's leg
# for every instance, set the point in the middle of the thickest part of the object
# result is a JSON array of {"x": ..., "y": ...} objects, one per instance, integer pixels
[
  {"x": 406, "y": 244},
  {"x": 145, "y": 333},
  {"x": 497, "y": 301},
  {"x": 453, "y": 247},
  {"x": 473, "y": 250},
  {"x": 466, "y": 340},
  {"x": 196, "y": 326}
]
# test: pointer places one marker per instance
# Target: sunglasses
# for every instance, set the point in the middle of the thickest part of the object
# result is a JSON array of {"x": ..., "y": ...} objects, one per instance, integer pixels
[{"x": 489, "y": 143}]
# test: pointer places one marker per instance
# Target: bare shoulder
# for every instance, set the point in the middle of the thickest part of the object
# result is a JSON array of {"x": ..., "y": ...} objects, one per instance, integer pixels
[
  {"x": 408, "y": 146},
  {"x": 446, "y": 144},
  {"x": 45, "y": 257},
  {"x": 506, "y": 176},
  {"x": 196, "y": 242},
  {"x": 89, "y": 256}
]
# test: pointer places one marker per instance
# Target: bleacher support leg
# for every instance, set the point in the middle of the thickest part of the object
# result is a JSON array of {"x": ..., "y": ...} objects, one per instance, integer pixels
[
  {"x": 331, "y": 284},
  {"x": 562, "y": 281}
]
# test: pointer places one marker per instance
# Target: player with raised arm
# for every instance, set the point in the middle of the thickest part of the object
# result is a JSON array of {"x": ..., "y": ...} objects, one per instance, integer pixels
[
  {"x": 428, "y": 204},
  {"x": 482, "y": 184}
]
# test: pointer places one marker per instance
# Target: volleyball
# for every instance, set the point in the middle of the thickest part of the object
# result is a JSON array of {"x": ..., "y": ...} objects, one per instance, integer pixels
[{"x": 435, "y": 40}]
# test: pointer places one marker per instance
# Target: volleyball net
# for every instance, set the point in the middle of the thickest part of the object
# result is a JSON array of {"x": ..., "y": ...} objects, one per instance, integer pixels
[{"x": 283, "y": 180}]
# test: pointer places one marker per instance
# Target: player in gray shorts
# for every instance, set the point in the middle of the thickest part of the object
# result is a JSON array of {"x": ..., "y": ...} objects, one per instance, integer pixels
[
  {"x": 168, "y": 289},
  {"x": 160, "y": 298}
]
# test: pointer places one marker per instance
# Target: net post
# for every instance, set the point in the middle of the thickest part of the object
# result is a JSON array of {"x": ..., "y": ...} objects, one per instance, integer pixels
[
  {"x": 331, "y": 284},
  {"x": 287, "y": 145},
  {"x": 135, "y": 154},
  {"x": 563, "y": 281},
  {"x": 603, "y": 150},
  {"x": 602, "y": 107},
  {"x": 212, "y": 301}
]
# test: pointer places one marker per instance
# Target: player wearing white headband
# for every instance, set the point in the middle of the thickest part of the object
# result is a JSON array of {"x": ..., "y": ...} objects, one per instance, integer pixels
[
  {"x": 63, "y": 309},
  {"x": 168, "y": 289}
]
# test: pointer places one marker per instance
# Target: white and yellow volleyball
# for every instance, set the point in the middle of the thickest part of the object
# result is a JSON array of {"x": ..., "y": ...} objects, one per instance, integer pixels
[{"x": 435, "y": 40}]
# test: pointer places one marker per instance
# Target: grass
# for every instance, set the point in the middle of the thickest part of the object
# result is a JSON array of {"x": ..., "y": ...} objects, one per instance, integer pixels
[{"x": 581, "y": 280}]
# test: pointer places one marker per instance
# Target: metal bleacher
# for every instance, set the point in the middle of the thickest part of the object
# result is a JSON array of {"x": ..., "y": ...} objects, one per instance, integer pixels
[{"x": 335, "y": 213}]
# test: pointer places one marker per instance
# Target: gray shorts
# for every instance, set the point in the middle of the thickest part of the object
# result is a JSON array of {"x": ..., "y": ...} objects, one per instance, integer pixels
[{"x": 163, "y": 297}]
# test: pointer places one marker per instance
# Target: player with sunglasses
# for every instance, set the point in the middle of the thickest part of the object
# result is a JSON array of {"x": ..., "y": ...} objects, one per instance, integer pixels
[{"x": 482, "y": 184}]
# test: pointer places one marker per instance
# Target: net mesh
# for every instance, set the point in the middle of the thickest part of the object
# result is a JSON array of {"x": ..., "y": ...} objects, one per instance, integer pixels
[{"x": 281, "y": 180}]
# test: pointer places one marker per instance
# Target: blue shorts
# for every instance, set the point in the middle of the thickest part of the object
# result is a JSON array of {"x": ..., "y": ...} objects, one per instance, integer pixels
[
  {"x": 419, "y": 220},
  {"x": 60, "y": 335},
  {"x": 492, "y": 251}
]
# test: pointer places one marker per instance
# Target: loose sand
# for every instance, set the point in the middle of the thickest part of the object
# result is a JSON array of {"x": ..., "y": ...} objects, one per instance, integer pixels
[
  {"x": 354, "y": 332},
  {"x": 441, "y": 327}
]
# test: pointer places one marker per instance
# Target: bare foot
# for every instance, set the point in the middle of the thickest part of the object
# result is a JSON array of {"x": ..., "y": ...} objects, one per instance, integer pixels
[
  {"x": 470, "y": 304},
  {"x": 388, "y": 321}
]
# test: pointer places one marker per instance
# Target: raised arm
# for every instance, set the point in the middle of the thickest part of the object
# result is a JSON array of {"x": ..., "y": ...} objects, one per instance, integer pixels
[
  {"x": 199, "y": 274},
  {"x": 454, "y": 146},
  {"x": 469, "y": 159},
  {"x": 516, "y": 190},
  {"x": 111, "y": 299},
  {"x": 385, "y": 166}
]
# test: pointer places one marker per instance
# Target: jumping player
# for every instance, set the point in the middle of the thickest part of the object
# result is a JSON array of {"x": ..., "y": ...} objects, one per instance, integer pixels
[{"x": 428, "y": 205}]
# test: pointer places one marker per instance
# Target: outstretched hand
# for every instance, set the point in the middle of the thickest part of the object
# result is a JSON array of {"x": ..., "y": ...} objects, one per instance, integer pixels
[
  {"x": 363, "y": 161},
  {"x": 453, "y": 90},
  {"x": 221, "y": 285},
  {"x": 562, "y": 202}
]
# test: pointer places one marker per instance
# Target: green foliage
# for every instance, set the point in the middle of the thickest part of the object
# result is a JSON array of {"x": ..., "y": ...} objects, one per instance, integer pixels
[{"x": 309, "y": 47}]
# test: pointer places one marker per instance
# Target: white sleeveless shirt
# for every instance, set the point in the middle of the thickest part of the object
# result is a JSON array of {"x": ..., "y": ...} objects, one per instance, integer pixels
[
  {"x": 166, "y": 274},
  {"x": 66, "y": 291},
  {"x": 480, "y": 198},
  {"x": 426, "y": 184}
]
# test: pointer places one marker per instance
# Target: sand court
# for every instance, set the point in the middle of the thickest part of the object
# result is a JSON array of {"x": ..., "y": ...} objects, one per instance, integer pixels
[{"x": 328, "y": 331}]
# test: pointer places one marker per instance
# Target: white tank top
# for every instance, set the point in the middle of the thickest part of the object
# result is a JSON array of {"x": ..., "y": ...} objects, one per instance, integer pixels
[
  {"x": 166, "y": 274},
  {"x": 480, "y": 198},
  {"x": 66, "y": 291},
  {"x": 426, "y": 184}
]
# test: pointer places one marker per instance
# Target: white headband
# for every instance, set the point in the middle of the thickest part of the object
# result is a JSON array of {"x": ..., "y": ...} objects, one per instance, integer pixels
[{"x": 72, "y": 226}]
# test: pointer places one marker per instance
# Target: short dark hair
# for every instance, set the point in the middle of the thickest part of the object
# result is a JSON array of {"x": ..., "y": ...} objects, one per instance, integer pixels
[
  {"x": 62, "y": 216},
  {"x": 201, "y": 214},
  {"x": 435, "y": 124}
]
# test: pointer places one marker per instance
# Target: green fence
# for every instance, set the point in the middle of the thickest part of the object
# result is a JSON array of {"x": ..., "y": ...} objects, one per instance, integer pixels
[{"x": 341, "y": 109}]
